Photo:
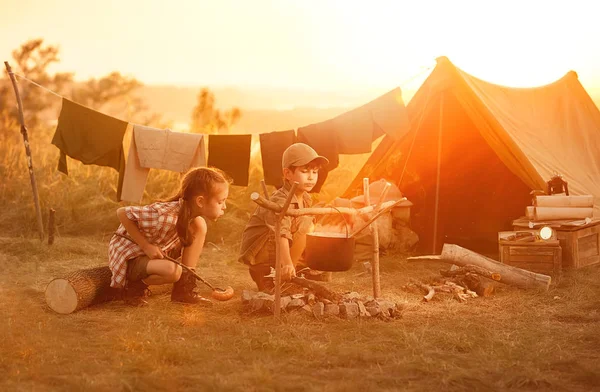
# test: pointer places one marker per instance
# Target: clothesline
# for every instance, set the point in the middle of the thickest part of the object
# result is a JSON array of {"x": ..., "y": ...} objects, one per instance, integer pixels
[
  {"x": 349, "y": 133},
  {"x": 39, "y": 85},
  {"x": 60, "y": 96}
]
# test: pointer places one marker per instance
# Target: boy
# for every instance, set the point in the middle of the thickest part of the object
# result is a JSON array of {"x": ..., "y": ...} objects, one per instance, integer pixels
[{"x": 300, "y": 163}]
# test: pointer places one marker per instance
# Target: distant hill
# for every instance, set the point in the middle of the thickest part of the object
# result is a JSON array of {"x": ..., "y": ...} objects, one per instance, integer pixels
[{"x": 263, "y": 110}]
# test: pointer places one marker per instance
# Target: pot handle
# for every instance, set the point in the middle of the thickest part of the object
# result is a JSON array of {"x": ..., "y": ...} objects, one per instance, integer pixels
[{"x": 345, "y": 222}]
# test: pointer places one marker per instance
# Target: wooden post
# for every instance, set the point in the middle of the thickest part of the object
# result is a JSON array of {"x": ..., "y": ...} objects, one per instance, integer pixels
[
  {"x": 376, "y": 276},
  {"x": 51, "y": 226},
  {"x": 437, "y": 186},
  {"x": 36, "y": 199},
  {"x": 375, "y": 237},
  {"x": 277, "y": 307}
]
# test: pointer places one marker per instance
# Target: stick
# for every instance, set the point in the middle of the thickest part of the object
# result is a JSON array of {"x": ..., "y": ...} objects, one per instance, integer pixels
[
  {"x": 263, "y": 184},
  {"x": 430, "y": 291},
  {"x": 385, "y": 208},
  {"x": 36, "y": 199},
  {"x": 51, "y": 226},
  {"x": 425, "y": 258},
  {"x": 277, "y": 307},
  {"x": 269, "y": 205}
]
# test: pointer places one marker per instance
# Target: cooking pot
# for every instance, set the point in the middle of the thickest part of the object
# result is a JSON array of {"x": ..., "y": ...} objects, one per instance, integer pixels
[
  {"x": 329, "y": 251},
  {"x": 335, "y": 251}
]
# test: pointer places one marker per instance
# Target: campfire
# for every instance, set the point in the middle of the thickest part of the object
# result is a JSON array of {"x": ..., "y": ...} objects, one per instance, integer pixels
[{"x": 350, "y": 305}]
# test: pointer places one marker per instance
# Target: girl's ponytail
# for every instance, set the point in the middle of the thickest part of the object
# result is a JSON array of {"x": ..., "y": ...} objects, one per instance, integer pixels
[{"x": 196, "y": 182}]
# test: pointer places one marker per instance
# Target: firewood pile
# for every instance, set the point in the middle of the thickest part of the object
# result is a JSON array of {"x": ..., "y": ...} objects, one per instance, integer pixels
[
  {"x": 461, "y": 284},
  {"x": 351, "y": 305}
]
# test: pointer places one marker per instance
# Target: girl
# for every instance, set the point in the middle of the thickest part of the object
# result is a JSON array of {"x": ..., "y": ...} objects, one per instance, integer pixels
[{"x": 147, "y": 233}]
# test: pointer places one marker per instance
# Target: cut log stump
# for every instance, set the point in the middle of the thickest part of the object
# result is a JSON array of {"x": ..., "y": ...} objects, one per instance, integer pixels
[{"x": 80, "y": 289}]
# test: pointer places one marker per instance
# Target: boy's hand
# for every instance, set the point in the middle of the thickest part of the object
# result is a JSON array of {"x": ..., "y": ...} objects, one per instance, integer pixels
[
  {"x": 287, "y": 272},
  {"x": 153, "y": 252}
]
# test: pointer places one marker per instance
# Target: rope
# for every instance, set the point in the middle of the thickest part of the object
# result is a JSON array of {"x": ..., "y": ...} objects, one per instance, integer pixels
[{"x": 38, "y": 85}]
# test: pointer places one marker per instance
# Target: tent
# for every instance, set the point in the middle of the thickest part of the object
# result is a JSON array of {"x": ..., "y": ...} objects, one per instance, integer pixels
[{"x": 475, "y": 150}]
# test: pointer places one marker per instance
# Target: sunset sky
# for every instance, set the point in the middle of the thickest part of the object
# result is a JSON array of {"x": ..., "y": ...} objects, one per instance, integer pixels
[{"x": 329, "y": 45}]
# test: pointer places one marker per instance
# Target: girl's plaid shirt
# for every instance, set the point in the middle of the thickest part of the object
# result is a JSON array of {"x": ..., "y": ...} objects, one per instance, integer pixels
[{"x": 156, "y": 222}]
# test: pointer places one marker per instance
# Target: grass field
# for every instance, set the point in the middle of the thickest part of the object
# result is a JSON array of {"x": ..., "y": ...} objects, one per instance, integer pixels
[{"x": 516, "y": 340}]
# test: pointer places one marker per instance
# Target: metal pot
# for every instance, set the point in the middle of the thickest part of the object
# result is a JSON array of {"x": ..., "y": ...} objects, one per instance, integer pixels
[{"x": 329, "y": 251}]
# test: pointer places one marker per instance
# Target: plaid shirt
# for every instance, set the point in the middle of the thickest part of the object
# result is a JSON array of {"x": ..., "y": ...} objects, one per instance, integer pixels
[{"x": 156, "y": 222}]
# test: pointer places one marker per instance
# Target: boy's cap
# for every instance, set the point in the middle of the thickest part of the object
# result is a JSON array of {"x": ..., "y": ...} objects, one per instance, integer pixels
[{"x": 300, "y": 154}]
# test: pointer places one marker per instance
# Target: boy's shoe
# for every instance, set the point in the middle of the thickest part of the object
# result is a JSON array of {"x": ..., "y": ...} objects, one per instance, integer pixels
[
  {"x": 320, "y": 276},
  {"x": 135, "y": 293},
  {"x": 184, "y": 291}
]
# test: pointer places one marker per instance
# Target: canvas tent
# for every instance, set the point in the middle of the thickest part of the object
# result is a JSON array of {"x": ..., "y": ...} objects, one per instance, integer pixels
[{"x": 474, "y": 150}]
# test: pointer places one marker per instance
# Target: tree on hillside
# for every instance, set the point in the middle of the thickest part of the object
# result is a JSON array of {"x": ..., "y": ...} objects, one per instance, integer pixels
[
  {"x": 111, "y": 94},
  {"x": 206, "y": 118},
  {"x": 32, "y": 60}
]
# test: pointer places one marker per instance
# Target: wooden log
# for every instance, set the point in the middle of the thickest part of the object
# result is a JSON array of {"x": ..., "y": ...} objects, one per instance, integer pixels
[
  {"x": 558, "y": 213},
  {"x": 483, "y": 286},
  {"x": 320, "y": 290},
  {"x": 563, "y": 201},
  {"x": 474, "y": 269},
  {"x": 510, "y": 275},
  {"x": 80, "y": 289}
]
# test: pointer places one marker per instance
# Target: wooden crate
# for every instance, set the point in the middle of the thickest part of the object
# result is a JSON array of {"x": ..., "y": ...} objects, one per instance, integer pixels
[
  {"x": 580, "y": 245},
  {"x": 543, "y": 257}
]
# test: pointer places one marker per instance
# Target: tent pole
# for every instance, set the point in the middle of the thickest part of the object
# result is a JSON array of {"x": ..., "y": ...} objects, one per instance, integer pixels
[
  {"x": 437, "y": 186},
  {"x": 36, "y": 199}
]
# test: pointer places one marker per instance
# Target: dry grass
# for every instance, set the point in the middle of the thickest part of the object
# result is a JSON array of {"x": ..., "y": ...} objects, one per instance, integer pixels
[{"x": 514, "y": 341}]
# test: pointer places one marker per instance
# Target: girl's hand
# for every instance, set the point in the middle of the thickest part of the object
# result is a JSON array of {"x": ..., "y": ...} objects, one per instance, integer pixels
[
  {"x": 287, "y": 272},
  {"x": 153, "y": 252}
]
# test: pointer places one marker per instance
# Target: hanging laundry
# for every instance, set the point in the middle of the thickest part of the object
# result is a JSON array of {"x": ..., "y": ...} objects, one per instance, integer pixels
[
  {"x": 153, "y": 148},
  {"x": 322, "y": 138},
  {"x": 231, "y": 153},
  {"x": 272, "y": 146},
  {"x": 389, "y": 113},
  {"x": 358, "y": 128},
  {"x": 90, "y": 137},
  {"x": 355, "y": 131}
]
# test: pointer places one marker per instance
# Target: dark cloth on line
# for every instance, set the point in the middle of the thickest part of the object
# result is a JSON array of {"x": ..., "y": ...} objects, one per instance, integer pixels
[
  {"x": 354, "y": 130},
  {"x": 389, "y": 113},
  {"x": 272, "y": 146},
  {"x": 90, "y": 137},
  {"x": 322, "y": 138},
  {"x": 231, "y": 153}
]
